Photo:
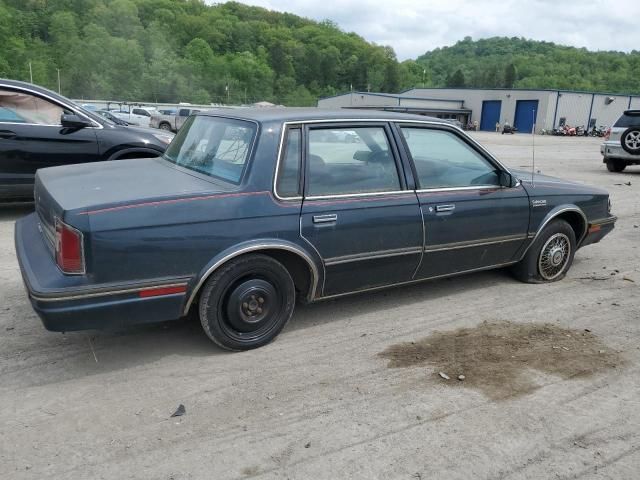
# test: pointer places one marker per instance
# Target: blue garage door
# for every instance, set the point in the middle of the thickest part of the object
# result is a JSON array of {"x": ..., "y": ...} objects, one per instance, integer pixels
[
  {"x": 526, "y": 112},
  {"x": 490, "y": 115}
]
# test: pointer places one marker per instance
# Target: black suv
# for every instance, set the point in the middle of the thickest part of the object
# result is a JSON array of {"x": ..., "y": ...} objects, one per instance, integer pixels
[
  {"x": 39, "y": 128},
  {"x": 622, "y": 148}
]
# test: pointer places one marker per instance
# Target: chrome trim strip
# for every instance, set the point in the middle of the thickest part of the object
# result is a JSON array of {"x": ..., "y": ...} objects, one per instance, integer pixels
[
  {"x": 604, "y": 221},
  {"x": 357, "y": 195},
  {"x": 107, "y": 293},
  {"x": 358, "y": 257},
  {"x": 554, "y": 216},
  {"x": 254, "y": 248},
  {"x": 454, "y": 189},
  {"x": 474, "y": 243},
  {"x": 400, "y": 121},
  {"x": 381, "y": 287}
]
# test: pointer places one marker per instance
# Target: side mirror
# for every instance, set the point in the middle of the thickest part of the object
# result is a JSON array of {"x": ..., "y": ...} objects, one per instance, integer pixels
[
  {"x": 73, "y": 121},
  {"x": 507, "y": 180}
]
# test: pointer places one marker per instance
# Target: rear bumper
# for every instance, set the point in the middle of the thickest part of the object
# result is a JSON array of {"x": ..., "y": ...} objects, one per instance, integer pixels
[
  {"x": 615, "y": 150},
  {"x": 67, "y": 303},
  {"x": 598, "y": 229}
]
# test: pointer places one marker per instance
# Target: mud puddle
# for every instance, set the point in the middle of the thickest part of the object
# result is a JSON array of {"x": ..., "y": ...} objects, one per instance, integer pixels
[{"x": 498, "y": 358}]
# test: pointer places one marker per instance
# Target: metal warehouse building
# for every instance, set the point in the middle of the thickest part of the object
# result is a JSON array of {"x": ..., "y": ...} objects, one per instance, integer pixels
[{"x": 520, "y": 108}]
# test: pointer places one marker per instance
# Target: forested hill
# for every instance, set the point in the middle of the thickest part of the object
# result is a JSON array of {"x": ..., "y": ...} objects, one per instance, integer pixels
[
  {"x": 185, "y": 50},
  {"x": 507, "y": 62}
]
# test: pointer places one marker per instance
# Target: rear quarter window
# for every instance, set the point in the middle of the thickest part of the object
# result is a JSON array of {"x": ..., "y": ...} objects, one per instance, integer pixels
[
  {"x": 627, "y": 120},
  {"x": 214, "y": 146}
]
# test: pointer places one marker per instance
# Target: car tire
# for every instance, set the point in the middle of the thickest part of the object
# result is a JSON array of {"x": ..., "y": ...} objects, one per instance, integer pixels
[
  {"x": 630, "y": 140},
  {"x": 550, "y": 256},
  {"x": 615, "y": 165},
  {"x": 165, "y": 126},
  {"x": 247, "y": 302}
]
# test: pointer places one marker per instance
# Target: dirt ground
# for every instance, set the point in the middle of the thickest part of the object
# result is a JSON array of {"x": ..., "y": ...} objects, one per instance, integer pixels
[{"x": 551, "y": 387}]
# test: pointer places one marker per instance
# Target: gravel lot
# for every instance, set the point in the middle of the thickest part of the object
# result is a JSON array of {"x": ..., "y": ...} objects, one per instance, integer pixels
[{"x": 324, "y": 401}]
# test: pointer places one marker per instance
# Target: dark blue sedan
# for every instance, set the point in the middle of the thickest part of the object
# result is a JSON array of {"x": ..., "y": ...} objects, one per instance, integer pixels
[{"x": 249, "y": 210}]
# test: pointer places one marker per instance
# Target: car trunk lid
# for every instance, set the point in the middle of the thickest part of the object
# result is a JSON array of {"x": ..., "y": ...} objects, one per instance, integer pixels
[{"x": 105, "y": 184}]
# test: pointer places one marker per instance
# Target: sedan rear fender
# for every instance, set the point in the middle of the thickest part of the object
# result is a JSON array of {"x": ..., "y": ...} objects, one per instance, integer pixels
[{"x": 287, "y": 252}]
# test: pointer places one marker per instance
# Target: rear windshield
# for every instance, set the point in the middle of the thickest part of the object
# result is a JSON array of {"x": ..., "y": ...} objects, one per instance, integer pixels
[
  {"x": 218, "y": 147},
  {"x": 626, "y": 120}
]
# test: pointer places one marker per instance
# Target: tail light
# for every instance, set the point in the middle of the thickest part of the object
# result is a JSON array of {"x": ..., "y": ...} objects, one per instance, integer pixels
[
  {"x": 607, "y": 134},
  {"x": 69, "y": 249}
]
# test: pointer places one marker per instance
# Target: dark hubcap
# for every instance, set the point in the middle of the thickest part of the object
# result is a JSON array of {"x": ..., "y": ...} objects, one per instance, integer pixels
[{"x": 251, "y": 305}]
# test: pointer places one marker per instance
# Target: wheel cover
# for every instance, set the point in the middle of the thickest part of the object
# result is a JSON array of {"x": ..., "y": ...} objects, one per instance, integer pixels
[
  {"x": 250, "y": 308},
  {"x": 632, "y": 140},
  {"x": 554, "y": 256}
]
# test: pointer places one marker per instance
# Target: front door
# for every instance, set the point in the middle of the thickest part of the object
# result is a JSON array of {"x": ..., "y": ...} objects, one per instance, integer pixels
[
  {"x": 31, "y": 137},
  {"x": 357, "y": 212},
  {"x": 471, "y": 221}
]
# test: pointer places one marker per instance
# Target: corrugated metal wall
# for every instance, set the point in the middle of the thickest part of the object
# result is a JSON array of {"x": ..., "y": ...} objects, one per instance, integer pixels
[
  {"x": 605, "y": 111},
  {"x": 473, "y": 99},
  {"x": 576, "y": 107}
]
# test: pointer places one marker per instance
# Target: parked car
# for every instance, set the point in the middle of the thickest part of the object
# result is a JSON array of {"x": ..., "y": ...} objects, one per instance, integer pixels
[
  {"x": 245, "y": 213},
  {"x": 110, "y": 116},
  {"x": 136, "y": 116},
  {"x": 39, "y": 128},
  {"x": 622, "y": 148},
  {"x": 174, "y": 122}
]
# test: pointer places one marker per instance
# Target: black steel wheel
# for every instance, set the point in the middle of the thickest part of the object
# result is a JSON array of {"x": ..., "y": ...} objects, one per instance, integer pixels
[
  {"x": 247, "y": 302},
  {"x": 550, "y": 256}
]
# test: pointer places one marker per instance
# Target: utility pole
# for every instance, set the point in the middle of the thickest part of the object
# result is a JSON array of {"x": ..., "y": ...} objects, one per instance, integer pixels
[
  {"x": 30, "y": 73},
  {"x": 59, "y": 93},
  {"x": 424, "y": 72}
]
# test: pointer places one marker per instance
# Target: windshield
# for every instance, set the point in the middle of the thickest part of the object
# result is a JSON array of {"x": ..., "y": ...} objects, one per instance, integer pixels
[{"x": 214, "y": 146}]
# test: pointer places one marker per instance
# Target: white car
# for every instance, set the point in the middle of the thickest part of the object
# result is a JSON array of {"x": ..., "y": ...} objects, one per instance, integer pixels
[
  {"x": 136, "y": 116},
  {"x": 622, "y": 148}
]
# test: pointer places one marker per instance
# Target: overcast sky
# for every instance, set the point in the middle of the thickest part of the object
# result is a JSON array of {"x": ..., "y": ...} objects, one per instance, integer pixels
[{"x": 412, "y": 27}]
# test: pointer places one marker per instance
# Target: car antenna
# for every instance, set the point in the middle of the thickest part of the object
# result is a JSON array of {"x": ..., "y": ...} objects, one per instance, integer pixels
[{"x": 533, "y": 150}]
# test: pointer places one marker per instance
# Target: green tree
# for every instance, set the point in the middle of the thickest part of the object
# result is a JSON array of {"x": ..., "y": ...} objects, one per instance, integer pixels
[{"x": 456, "y": 80}]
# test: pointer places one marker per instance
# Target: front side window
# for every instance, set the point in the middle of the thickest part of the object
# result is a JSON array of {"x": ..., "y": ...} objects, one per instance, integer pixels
[
  {"x": 20, "y": 107},
  {"x": 214, "y": 146},
  {"x": 288, "y": 182},
  {"x": 444, "y": 160},
  {"x": 350, "y": 160}
]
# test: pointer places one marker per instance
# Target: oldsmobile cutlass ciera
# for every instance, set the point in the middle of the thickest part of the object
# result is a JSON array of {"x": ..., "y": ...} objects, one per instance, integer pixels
[{"x": 249, "y": 209}]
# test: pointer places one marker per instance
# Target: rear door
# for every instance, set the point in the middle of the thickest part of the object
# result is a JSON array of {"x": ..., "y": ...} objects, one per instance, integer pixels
[
  {"x": 357, "y": 212},
  {"x": 471, "y": 221},
  {"x": 31, "y": 137}
]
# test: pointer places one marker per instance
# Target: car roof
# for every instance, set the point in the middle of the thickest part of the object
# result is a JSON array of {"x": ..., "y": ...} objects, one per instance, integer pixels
[{"x": 303, "y": 114}]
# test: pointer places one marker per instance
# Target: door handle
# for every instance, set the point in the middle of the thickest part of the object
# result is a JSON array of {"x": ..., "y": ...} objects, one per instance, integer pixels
[
  {"x": 445, "y": 208},
  {"x": 7, "y": 134},
  {"x": 325, "y": 218}
]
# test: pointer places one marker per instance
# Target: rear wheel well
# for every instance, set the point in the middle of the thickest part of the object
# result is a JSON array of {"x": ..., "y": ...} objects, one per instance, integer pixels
[
  {"x": 297, "y": 266},
  {"x": 576, "y": 221}
]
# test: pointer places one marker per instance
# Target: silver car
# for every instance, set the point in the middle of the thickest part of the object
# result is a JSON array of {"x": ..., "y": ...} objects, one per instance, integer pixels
[{"x": 622, "y": 148}]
